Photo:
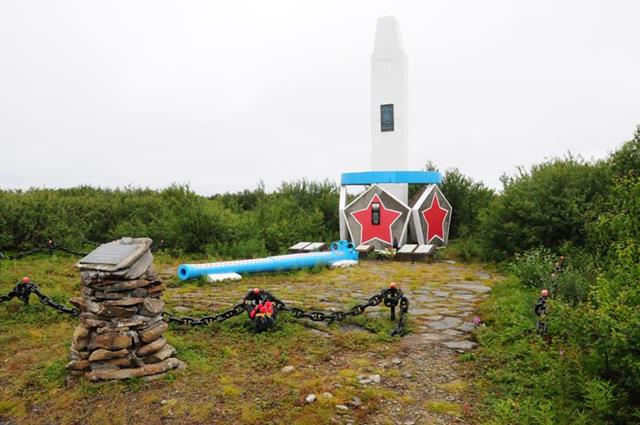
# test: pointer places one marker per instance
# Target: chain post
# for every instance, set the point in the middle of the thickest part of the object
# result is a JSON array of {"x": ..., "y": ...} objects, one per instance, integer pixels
[{"x": 23, "y": 289}]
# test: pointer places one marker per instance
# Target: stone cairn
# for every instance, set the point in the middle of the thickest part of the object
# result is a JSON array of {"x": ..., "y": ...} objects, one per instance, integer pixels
[{"x": 120, "y": 335}]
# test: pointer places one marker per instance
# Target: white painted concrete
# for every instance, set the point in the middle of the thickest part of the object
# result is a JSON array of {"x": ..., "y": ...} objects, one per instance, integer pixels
[{"x": 389, "y": 149}]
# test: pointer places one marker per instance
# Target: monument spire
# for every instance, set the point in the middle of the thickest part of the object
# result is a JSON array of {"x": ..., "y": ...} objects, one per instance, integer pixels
[{"x": 389, "y": 145}]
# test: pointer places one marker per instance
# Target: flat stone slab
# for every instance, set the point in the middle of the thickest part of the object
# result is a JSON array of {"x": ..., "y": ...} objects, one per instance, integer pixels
[
  {"x": 441, "y": 294},
  {"x": 452, "y": 332},
  {"x": 415, "y": 340},
  {"x": 350, "y": 327},
  {"x": 470, "y": 286},
  {"x": 460, "y": 345},
  {"x": 116, "y": 255},
  {"x": 463, "y": 296},
  {"x": 466, "y": 326},
  {"x": 446, "y": 323},
  {"x": 483, "y": 275}
]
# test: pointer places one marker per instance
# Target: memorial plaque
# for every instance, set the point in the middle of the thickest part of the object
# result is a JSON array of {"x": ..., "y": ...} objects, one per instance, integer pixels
[
  {"x": 407, "y": 249},
  {"x": 386, "y": 117},
  {"x": 110, "y": 254},
  {"x": 426, "y": 249}
]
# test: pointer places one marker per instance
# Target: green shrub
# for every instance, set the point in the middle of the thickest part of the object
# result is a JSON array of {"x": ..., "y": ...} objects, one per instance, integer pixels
[{"x": 547, "y": 206}]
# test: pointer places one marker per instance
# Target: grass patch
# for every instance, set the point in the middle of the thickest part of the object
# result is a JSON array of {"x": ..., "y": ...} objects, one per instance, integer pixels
[
  {"x": 443, "y": 407},
  {"x": 233, "y": 375}
]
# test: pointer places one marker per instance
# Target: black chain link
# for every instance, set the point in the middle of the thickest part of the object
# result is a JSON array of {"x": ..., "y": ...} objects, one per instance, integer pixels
[
  {"x": 221, "y": 317},
  {"x": 50, "y": 247},
  {"x": 23, "y": 290},
  {"x": 402, "y": 320},
  {"x": 7, "y": 297},
  {"x": 392, "y": 297}
]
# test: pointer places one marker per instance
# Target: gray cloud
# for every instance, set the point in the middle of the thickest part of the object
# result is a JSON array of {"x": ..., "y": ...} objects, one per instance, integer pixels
[{"x": 223, "y": 94}]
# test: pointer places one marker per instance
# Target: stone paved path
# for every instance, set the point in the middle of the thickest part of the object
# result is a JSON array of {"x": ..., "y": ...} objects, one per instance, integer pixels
[{"x": 423, "y": 366}]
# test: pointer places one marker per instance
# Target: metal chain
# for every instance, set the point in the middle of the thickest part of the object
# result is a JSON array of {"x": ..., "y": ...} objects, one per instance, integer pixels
[
  {"x": 391, "y": 298},
  {"x": 321, "y": 316},
  {"x": 402, "y": 320},
  {"x": 23, "y": 290},
  {"x": 48, "y": 301},
  {"x": 7, "y": 297},
  {"x": 50, "y": 247},
  {"x": 221, "y": 317}
]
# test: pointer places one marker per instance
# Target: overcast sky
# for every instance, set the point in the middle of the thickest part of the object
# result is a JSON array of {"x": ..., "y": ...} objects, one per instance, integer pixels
[{"x": 221, "y": 94}]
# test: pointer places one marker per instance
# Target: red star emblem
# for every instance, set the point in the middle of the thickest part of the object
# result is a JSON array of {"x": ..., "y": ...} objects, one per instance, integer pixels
[
  {"x": 381, "y": 231},
  {"x": 435, "y": 216}
]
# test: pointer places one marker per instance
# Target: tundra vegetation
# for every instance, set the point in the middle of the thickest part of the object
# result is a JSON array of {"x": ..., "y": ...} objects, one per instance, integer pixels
[{"x": 586, "y": 369}]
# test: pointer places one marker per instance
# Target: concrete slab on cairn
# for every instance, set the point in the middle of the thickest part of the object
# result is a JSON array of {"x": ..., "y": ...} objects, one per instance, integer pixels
[{"x": 120, "y": 335}]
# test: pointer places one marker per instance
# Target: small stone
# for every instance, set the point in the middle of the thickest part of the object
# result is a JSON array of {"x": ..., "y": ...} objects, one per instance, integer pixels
[
  {"x": 112, "y": 311},
  {"x": 396, "y": 360},
  {"x": 153, "y": 332},
  {"x": 110, "y": 341},
  {"x": 78, "y": 365},
  {"x": 120, "y": 286},
  {"x": 78, "y": 355},
  {"x": 342, "y": 409},
  {"x": 356, "y": 402},
  {"x": 112, "y": 364},
  {"x": 407, "y": 375},
  {"x": 288, "y": 369},
  {"x": 139, "y": 293},
  {"x": 327, "y": 395},
  {"x": 125, "y": 302},
  {"x": 311, "y": 398},
  {"x": 152, "y": 369},
  {"x": 375, "y": 379},
  {"x": 364, "y": 381},
  {"x": 92, "y": 321},
  {"x": 102, "y": 354},
  {"x": 151, "y": 307},
  {"x": 80, "y": 338},
  {"x": 156, "y": 289},
  {"x": 166, "y": 352},
  {"x": 110, "y": 295},
  {"x": 151, "y": 348},
  {"x": 460, "y": 345}
]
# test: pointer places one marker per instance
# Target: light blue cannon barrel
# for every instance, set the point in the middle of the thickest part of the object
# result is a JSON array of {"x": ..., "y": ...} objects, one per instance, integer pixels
[{"x": 341, "y": 250}]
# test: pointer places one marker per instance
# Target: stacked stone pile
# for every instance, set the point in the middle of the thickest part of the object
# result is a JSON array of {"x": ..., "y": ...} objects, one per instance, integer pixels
[{"x": 120, "y": 335}]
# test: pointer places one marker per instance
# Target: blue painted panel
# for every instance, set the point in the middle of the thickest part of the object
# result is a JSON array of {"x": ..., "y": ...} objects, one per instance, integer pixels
[
  {"x": 341, "y": 250},
  {"x": 371, "y": 177}
]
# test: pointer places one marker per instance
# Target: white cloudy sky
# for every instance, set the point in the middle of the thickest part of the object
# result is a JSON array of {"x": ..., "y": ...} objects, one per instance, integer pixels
[{"x": 223, "y": 94}]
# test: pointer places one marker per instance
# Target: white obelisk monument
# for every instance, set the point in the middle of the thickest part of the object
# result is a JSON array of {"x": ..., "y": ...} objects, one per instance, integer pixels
[{"x": 389, "y": 146}]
